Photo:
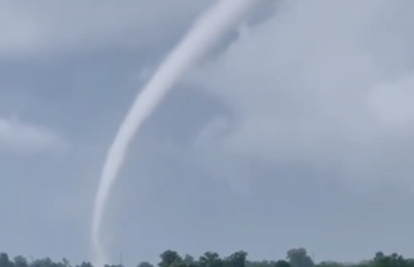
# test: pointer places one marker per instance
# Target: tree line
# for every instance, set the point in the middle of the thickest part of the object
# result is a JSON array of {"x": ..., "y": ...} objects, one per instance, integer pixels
[{"x": 294, "y": 258}]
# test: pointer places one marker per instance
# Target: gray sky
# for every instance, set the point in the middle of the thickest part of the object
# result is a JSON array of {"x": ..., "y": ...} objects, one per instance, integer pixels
[{"x": 296, "y": 132}]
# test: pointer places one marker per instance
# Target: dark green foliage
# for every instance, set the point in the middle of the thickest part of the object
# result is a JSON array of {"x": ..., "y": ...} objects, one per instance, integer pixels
[
  {"x": 145, "y": 264},
  {"x": 297, "y": 257},
  {"x": 282, "y": 264}
]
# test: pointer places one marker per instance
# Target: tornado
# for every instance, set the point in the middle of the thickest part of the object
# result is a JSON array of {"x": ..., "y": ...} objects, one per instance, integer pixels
[{"x": 206, "y": 31}]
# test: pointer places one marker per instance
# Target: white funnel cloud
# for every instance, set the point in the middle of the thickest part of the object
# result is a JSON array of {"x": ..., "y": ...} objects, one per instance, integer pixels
[{"x": 204, "y": 34}]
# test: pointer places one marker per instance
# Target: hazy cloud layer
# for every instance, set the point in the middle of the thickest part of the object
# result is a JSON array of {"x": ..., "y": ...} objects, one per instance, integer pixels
[
  {"x": 308, "y": 96},
  {"x": 48, "y": 27},
  {"x": 22, "y": 136},
  {"x": 322, "y": 83}
]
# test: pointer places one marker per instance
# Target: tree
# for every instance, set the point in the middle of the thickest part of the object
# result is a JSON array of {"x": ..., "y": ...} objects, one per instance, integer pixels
[
  {"x": 5, "y": 261},
  {"x": 299, "y": 258},
  {"x": 145, "y": 264},
  {"x": 237, "y": 259},
  {"x": 210, "y": 259},
  {"x": 20, "y": 261},
  {"x": 85, "y": 264},
  {"x": 168, "y": 258},
  {"x": 295, "y": 258},
  {"x": 282, "y": 263},
  {"x": 263, "y": 263},
  {"x": 189, "y": 260}
]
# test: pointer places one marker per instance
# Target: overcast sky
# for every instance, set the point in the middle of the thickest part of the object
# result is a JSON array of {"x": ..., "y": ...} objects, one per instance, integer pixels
[{"x": 296, "y": 131}]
